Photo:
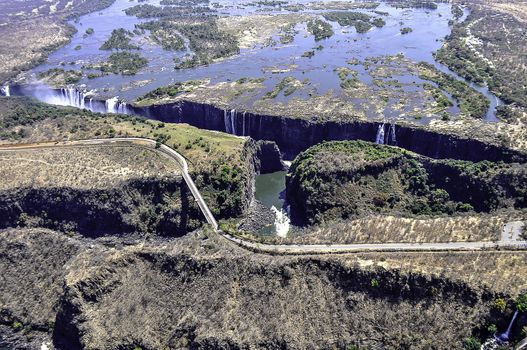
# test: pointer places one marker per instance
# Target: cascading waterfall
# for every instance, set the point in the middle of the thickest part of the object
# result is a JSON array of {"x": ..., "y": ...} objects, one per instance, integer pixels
[
  {"x": 393, "y": 138},
  {"x": 499, "y": 339},
  {"x": 379, "y": 139},
  {"x": 229, "y": 119},
  {"x": 281, "y": 222},
  {"x": 5, "y": 90},
  {"x": 122, "y": 108},
  {"x": 243, "y": 125},
  {"x": 233, "y": 119},
  {"x": 70, "y": 96},
  {"x": 226, "y": 121},
  {"x": 504, "y": 337},
  {"x": 112, "y": 105}
]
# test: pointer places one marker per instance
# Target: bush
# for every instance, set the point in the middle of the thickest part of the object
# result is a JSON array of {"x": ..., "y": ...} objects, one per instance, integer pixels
[
  {"x": 521, "y": 302},
  {"x": 472, "y": 344}
]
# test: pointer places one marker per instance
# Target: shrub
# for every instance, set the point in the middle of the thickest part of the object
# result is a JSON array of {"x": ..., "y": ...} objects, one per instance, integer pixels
[
  {"x": 500, "y": 304},
  {"x": 521, "y": 302}
]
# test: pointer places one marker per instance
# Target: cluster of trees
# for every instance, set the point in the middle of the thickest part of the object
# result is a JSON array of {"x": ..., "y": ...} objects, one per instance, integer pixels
[
  {"x": 471, "y": 102},
  {"x": 125, "y": 63},
  {"x": 164, "y": 34},
  {"x": 507, "y": 77},
  {"x": 151, "y": 11},
  {"x": 361, "y": 21},
  {"x": 119, "y": 40},
  {"x": 207, "y": 42},
  {"x": 320, "y": 29}
]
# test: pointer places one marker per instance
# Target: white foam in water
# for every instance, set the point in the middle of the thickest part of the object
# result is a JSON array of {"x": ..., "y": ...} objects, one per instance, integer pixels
[
  {"x": 6, "y": 90},
  {"x": 111, "y": 105},
  {"x": 281, "y": 222},
  {"x": 379, "y": 139}
]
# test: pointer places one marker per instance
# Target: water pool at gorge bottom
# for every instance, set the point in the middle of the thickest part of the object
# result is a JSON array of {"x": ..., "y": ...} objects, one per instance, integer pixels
[{"x": 270, "y": 192}]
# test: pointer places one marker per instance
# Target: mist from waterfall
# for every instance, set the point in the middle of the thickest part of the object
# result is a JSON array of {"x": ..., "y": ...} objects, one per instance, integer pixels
[
  {"x": 281, "y": 223},
  {"x": 393, "y": 137},
  {"x": 5, "y": 91},
  {"x": 379, "y": 139},
  {"x": 229, "y": 119}
]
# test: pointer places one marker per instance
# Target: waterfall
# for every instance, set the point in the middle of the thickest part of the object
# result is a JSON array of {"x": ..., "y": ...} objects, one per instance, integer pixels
[
  {"x": 281, "y": 222},
  {"x": 5, "y": 90},
  {"x": 122, "y": 108},
  {"x": 393, "y": 138},
  {"x": 111, "y": 105},
  {"x": 233, "y": 117},
  {"x": 504, "y": 337},
  {"x": 243, "y": 125},
  {"x": 379, "y": 139},
  {"x": 70, "y": 96},
  {"x": 226, "y": 117}
]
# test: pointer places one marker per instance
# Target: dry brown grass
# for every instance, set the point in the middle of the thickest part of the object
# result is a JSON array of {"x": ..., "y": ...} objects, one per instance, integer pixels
[
  {"x": 390, "y": 229},
  {"x": 85, "y": 167},
  {"x": 503, "y": 272}
]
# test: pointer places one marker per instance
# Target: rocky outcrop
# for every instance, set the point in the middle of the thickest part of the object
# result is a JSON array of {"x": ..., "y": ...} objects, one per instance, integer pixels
[
  {"x": 352, "y": 179},
  {"x": 137, "y": 207},
  {"x": 296, "y": 135}
]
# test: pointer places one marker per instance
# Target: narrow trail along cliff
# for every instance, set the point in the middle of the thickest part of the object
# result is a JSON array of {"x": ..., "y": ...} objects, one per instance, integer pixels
[{"x": 509, "y": 240}]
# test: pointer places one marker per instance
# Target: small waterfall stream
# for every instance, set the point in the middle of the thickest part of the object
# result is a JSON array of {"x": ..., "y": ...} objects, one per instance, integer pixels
[
  {"x": 5, "y": 91},
  {"x": 379, "y": 139},
  {"x": 281, "y": 223},
  {"x": 500, "y": 339}
]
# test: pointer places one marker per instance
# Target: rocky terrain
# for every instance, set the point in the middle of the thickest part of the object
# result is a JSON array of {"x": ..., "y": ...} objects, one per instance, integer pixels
[
  {"x": 352, "y": 179},
  {"x": 21, "y": 47},
  {"x": 152, "y": 295}
]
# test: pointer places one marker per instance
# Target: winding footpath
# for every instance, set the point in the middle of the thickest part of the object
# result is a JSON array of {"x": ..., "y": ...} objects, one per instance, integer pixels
[{"x": 510, "y": 238}]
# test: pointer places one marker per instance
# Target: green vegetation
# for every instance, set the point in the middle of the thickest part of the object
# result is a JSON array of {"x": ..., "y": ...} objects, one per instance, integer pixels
[
  {"x": 500, "y": 304},
  {"x": 484, "y": 64},
  {"x": 119, "y": 40},
  {"x": 416, "y": 4},
  {"x": 361, "y": 21},
  {"x": 353, "y": 179},
  {"x": 441, "y": 100},
  {"x": 406, "y": 30},
  {"x": 207, "y": 42},
  {"x": 472, "y": 344},
  {"x": 164, "y": 33},
  {"x": 288, "y": 85},
  {"x": 471, "y": 102},
  {"x": 215, "y": 159},
  {"x": 151, "y": 11},
  {"x": 347, "y": 82},
  {"x": 59, "y": 76},
  {"x": 168, "y": 91},
  {"x": 308, "y": 54},
  {"x": 378, "y": 22},
  {"x": 78, "y": 47},
  {"x": 124, "y": 63},
  {"x": 90, "y": 31},
  {"x": 457, "y": 11},
  {"x": 320, "y": 29},
  {"x": 521, "y": 302}
]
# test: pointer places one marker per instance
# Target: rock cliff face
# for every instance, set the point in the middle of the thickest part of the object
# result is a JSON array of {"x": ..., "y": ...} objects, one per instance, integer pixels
[
  {"x": 144, "y": 207},
  {"x": 295, "y": 135},
  {"x": 201, "y": 292},
  {"x": 352, "y": 179}
]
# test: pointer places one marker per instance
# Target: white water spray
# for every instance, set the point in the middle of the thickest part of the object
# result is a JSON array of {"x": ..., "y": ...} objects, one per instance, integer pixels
[
  {"x": 233, "y": 126},
  {"x": 243, "y": 127},
  {"x": 111, "y": 105},
  {"x": 379, "y": 139},
  {"x": 5, "y": 90},
  {"x": 393, "y": 137},
  {"x": 504, "y": 337},
  {"x": 281, "y": 222}
]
